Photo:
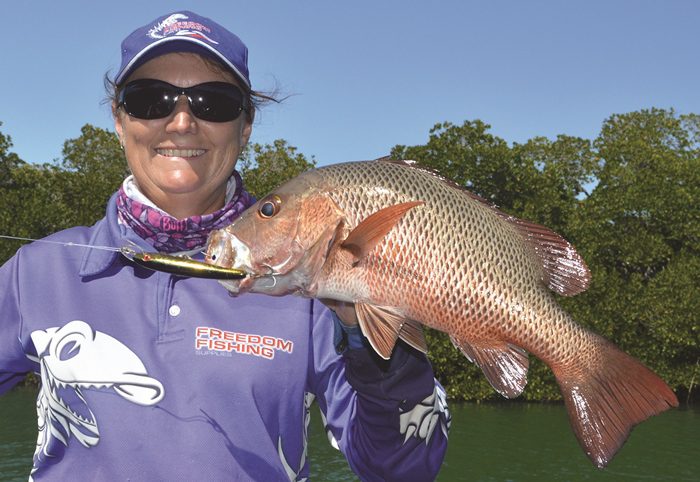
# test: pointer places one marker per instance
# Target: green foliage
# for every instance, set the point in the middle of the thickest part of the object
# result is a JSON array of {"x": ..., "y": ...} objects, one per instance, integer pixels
[
  {"x": 556, "y": 174},
  {"x": 25, "y": 192},
  {"x": 37, "y": 200},
  {"x": 30, "y": 205},
  {"x": 8, "y": 160},
  {"x": 264, "y": 167},
  {"x": 94, "y": 166}
]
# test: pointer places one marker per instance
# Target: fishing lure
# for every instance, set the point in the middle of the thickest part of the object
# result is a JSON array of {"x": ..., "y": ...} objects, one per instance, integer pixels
[
  {"x": 178, "y": 265},
  {"x": 181, "y": 265}
]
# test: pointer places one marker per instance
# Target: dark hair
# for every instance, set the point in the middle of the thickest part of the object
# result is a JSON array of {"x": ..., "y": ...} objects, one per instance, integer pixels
[{"x": 256, "y": 99}]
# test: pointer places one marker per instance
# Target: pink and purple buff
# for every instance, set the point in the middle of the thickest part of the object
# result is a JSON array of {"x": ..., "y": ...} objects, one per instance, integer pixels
[{"x": 170, "y": 235}]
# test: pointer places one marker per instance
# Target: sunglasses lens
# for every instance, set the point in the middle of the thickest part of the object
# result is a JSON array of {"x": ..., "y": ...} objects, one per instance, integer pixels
[
  {"x": 155, "y": 99},
  {"x": 148, "y": 99},
  {"x": 216, "y": 101}
]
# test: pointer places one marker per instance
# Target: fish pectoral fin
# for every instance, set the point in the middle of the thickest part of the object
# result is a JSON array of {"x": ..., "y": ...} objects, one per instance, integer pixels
[
  {"x": 372, "y": 230},
  {"x": 381, "y": 325},
  {"x": 412, "y": 333},
  {"x": 504, "y": 365}
]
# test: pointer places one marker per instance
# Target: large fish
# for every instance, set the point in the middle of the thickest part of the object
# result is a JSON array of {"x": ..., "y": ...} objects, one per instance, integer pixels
[{"x": 410, "y": 248}]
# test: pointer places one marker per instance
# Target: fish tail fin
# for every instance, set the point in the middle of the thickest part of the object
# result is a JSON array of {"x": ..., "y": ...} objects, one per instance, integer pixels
[{"x": 606, "y": 400}]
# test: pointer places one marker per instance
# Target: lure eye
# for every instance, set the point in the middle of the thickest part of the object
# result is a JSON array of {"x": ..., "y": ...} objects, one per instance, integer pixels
[{"x": 269, "y": 207}]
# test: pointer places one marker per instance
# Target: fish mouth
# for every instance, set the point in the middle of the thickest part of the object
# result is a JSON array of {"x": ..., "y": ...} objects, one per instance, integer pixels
[{"x": 228, "y": 251}]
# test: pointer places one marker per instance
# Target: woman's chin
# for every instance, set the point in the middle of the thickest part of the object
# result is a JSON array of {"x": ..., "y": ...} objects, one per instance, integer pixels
[{"x": 181, "y": 184}]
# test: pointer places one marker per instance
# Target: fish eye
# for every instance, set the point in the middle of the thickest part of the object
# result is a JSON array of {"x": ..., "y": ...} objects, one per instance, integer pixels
[
  {"x": 267, "y": 209},
  {"x": 269, "y": 206}
]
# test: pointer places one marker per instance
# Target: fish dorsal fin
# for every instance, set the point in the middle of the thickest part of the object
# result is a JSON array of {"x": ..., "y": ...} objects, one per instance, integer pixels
[
  {"x": 412, "y": 333},
  {"x": 372, "y": 230},
  {"x": 381, "y": 325},
  {"x": 504, "y": 365},
  {"x": 564, "y": 271}
]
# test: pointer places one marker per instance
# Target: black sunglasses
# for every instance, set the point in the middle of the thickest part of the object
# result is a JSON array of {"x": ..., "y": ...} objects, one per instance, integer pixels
[{"x": 155, "y": 99}]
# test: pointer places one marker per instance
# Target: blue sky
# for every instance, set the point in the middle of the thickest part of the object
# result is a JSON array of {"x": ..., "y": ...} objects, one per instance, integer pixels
[{"x": 365, "y": 75}]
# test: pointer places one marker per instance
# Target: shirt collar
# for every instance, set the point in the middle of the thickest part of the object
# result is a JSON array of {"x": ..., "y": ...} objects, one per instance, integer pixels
[{"x": 108, "y": 232}]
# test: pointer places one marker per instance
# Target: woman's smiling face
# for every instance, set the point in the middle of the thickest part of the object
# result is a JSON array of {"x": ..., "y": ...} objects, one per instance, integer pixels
[{"x": 180, "y": 162}]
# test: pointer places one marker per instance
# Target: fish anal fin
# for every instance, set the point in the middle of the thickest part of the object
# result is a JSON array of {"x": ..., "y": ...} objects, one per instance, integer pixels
[
  {"x": 504, "y": 365},
  {"x": 372, "y": 229},
  {"x": 381, "y": 325},
  {"x": 607, "y": 400},
  {"x": 412, "y": 333}
]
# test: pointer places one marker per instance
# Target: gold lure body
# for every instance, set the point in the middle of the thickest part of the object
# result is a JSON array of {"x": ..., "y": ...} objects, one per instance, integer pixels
[{"x": 181, "y": 265}]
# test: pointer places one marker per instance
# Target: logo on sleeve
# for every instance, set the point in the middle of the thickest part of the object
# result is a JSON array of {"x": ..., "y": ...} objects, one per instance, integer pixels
[{"x": 213, "y": 341}]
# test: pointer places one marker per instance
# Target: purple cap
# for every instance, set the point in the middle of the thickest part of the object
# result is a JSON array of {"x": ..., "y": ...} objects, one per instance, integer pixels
[{"x": 184, "y": 32}]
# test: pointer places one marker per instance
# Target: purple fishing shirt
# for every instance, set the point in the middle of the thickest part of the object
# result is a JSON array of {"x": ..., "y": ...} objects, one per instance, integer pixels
[{"x": 150, "y": 376}]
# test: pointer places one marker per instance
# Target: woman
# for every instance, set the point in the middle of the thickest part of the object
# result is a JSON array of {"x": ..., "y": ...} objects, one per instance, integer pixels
[{"x": 150, "y": 376}]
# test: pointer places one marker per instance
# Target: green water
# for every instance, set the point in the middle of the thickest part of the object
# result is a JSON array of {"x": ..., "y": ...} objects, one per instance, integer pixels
[{"x": 489, "y": 442}]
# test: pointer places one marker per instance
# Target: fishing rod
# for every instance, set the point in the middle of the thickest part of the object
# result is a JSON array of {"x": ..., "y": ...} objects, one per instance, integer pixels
[{"x": 179, "y": 265}]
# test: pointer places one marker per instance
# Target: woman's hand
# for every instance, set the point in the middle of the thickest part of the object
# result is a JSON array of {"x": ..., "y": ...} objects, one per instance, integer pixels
[{"x": 344, "y": 310}]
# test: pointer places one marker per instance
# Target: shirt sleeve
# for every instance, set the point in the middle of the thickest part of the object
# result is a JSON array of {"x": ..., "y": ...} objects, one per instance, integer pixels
[
  {"x": 14, "y": 364},
  {"x": 389, "y": 418}
]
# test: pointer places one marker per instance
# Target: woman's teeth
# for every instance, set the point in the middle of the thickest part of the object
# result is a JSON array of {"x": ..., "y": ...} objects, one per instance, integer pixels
[{"x": 180, "y": 152}]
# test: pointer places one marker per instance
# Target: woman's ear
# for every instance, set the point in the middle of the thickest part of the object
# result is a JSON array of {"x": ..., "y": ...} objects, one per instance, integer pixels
[
  {"x": 118, "y": 126},
  {"x": 117, "y": 121},
  {"x": 245, "y": 133}
]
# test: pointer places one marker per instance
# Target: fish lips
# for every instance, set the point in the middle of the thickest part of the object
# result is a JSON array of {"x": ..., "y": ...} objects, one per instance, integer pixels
[
  {"x": 235, "y": 287},
  {"x": 227, "y": 251}
]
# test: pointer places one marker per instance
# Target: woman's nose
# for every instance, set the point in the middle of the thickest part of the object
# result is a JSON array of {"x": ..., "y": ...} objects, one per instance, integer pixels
[{"x": 182, "y": 120}]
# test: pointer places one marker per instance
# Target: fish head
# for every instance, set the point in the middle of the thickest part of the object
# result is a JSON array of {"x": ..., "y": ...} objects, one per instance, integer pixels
[{"x": 282, "y": 241}]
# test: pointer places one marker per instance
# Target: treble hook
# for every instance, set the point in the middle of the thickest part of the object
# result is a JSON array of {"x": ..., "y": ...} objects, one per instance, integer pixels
[{"x": 274, "y": 281}]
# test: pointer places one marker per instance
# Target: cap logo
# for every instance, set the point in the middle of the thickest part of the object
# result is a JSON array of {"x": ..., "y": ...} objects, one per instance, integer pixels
[{"x": 178, "y": 24}]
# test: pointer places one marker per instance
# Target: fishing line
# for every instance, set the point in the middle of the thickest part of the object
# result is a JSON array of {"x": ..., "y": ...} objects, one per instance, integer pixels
[
  {"x": 180, "y": 265},
  {"x": 62, "y": 243}
]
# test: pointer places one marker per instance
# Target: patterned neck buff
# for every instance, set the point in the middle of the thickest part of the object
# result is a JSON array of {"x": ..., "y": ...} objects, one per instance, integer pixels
[{"x": 170, "y": 235}]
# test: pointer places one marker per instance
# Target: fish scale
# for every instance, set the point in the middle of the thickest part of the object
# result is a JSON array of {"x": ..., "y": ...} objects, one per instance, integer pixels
[{"x": 410, "y": 248}]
